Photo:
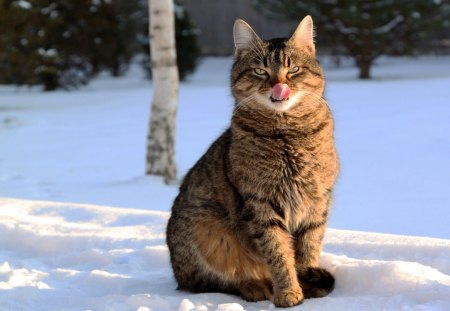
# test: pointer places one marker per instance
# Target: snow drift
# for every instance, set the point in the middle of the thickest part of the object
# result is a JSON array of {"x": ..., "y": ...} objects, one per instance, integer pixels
[{"x": 64, "y": 256}]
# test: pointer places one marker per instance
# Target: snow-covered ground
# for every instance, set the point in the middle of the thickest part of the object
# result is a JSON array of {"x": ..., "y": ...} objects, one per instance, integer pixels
[
  {"x": 81, "y": 228},
  {"x": 67, "y": 256}
]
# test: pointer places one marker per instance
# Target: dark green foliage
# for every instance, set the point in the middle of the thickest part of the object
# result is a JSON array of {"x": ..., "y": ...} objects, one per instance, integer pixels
[
  {"x": 113, "y": 32},
  {"x": 367, "y": 28},
  {"x": 187, "y": 48},
  {"x": 16, "y": 42},
  {"x": 186, "y": 41},
  {"x": 62, "y": 44}
]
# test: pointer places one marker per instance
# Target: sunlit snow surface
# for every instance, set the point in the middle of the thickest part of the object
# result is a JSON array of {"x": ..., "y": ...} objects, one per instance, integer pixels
[
  {"x": 107, "y": 250},
  {"x": 67, "y": 256}
]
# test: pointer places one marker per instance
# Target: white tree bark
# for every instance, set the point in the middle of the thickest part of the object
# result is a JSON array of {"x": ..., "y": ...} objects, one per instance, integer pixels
[{"x": 161, "y": 134}]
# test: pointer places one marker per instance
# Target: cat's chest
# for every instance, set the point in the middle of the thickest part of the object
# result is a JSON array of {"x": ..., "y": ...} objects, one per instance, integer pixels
[
  {"x": 288, "y": 162},
  {"x": 288, "y": 174},
  {"x": 293, "y": 180},
  {"x": 277, "y": 167}
]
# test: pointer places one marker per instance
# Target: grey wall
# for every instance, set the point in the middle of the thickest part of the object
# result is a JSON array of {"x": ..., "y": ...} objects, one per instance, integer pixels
[{"x": 215, "y": 19}]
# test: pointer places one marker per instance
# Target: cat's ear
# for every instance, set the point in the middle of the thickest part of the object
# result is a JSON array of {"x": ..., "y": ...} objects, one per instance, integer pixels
[
  {"x": 303, "y": 37},
  {"x": 244, "y": 36}
]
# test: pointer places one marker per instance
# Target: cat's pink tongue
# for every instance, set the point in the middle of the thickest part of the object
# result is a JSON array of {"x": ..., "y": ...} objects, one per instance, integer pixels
[{"x": 281, "y": 91}]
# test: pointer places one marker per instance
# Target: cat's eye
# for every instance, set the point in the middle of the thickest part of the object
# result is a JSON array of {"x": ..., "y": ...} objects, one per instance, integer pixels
[
  {"x": 260, "y": 71},
  {"x": 294, "y": 69}
]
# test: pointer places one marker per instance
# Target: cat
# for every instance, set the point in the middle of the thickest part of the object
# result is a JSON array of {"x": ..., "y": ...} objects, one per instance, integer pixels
[{"x": 251, "y": 214}]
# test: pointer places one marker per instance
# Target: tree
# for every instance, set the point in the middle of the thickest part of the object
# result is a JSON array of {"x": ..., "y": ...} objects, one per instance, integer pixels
[
  {"x": 113, "y": 32},
  {"x": 43, "y": 43},
  {"x": 161, "y": 135},
  {"x": 367, "y": 28},
  {"x": 16, "y": 43},
  {"x": 188, "y": 51},
  {"x": 62, "y": 44},
  {"x": 187, "y": 47}
]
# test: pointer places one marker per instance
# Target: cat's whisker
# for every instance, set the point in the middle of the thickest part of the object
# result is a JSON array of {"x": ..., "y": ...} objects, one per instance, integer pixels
[
  {"x": 252, "y": 96},
  {"x": 260, "y": 47},
  {"x": 316, "y": 97},
  {"x": 258, "y": 50},
  {"x": 257, "y": 56},
  {"x": 258, "y": 60},
  {"x": 250, "y": 99},
  {"x": 306, "y": 92},
  {"x": 242, "y": 103}
]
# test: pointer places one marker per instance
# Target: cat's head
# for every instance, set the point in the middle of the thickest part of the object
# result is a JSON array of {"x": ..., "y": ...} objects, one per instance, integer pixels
[{"x": 275, "y": 73}]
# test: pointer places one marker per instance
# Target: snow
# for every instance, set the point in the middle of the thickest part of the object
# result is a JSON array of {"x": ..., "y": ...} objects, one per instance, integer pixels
[
  {"x": 23, "y": 4},
  {"x": 82, "y": 229},
  {"x": 390, "y": 25},
  {"x": 71, "y": 256},
  {"x": 47, "y": 53}
]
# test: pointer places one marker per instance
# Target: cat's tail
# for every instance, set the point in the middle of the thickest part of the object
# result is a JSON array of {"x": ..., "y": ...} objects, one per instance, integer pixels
[{"x": 315, "y": 282}]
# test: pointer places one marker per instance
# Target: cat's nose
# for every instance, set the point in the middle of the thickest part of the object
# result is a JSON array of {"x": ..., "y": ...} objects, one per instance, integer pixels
[{"x": 280, "y": 91}]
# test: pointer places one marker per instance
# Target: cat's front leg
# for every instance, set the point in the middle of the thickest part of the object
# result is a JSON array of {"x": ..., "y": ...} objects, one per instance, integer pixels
[
  {"x": 308, "y": 243},
  {"x": 269, "y": 234},
  {"x": 315, "y": 281}
]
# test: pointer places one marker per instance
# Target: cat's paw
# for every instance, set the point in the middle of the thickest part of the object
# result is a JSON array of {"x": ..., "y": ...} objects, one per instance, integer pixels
[
  {"x": 288, "y": 298},
  {"x": 316, "y": 282},
  {"x": 256, "y": 290}
]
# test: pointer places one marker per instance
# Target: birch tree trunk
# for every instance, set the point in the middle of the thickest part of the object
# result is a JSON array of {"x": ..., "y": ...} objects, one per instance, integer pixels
[{"x": 161, "y": 133}]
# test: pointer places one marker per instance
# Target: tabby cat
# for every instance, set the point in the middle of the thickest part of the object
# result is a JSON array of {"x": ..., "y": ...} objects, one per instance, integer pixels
[{"x": 251, "y": 214}]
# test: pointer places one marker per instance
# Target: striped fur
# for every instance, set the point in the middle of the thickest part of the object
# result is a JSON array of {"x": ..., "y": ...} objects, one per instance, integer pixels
[{"x": 251, "y": 214}]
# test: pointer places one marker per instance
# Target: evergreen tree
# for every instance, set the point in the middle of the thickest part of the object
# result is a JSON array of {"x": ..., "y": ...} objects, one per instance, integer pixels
[
  {"x": 367, "y": 28},
  {"x": 63, "y": 50},
  {"x": 62, "y": 44},
  {"x": 17, "y": 43},
  {"x": 113, "y": 31}
]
